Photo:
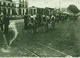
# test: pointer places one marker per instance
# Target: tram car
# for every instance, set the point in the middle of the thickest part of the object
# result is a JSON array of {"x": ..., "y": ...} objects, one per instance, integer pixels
[
  {"x": 49, "y": 11},
  {"x": 73, "y": 17},
  {"x": 65, "y": 15},
  {"x": 43, "y": 11},
  {"x": 40, "y": 11},
  {"x": 31, "y": 10}
]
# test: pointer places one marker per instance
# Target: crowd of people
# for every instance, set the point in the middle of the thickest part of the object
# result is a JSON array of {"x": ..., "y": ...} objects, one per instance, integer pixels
[{"x": 35, "y": 21}]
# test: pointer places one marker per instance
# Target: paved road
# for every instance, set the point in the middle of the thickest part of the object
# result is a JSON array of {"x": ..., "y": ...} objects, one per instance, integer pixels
[{"x": 62, "y": 41}]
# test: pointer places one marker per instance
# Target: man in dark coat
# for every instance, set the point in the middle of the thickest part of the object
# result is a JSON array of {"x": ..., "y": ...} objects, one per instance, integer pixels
[
  {"x": 25, "y": 21},
  {"x": 6, "y": 23},
  {"x": 53, "y": 21}
]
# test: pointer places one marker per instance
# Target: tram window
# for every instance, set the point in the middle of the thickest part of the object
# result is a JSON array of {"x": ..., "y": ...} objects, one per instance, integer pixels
[
  {"x": 29, "y": 11},
  {"x": 10, "y": 4},
  {"x": 34, "y": 11},
  {"x": 1, "y": 3},
  {"x": 41, "y": 11},
  {"x": 6, "y": 4},
  {"x": 9, "y": 11}
]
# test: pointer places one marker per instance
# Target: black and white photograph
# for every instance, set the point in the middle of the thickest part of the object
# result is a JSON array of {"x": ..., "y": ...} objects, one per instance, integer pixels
[{"x": 40, "y": 28}]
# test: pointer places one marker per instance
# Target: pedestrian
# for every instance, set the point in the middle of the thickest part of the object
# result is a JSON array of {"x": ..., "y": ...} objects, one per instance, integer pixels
[
  {"x": 53, "y": 21},
  {"x": 6, "y": 24},
  {"x": 25, "y": 21},
  {"x": 34, "y": 24},
  {"x": 44, "y": 22},
  {"x": 57, "y": 18},
  {"x": 47, "y": 22},
  {"x": 40, "y": 19}
]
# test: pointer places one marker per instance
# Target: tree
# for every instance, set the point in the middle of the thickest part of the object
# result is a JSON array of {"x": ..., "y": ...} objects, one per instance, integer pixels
[{"x": 73, "y": 9}]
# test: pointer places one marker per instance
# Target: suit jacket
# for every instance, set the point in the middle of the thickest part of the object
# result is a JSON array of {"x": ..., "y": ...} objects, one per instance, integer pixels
[{"x": 6, "y": 20}]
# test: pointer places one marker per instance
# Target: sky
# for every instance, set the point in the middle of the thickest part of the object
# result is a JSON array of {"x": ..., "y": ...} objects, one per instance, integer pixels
[{"x": 52, "y": 3}]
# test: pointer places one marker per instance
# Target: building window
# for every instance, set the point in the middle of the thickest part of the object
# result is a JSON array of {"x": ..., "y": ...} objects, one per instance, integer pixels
[
  {"x": 4, "y": 11},
  {"x": 9, "y": 4},
  {"x": 1, "y": 3},
  {"x": 4, "y": 4},
  {"x": 9, "y": 11},
  {"x": 0, "y": 10}
]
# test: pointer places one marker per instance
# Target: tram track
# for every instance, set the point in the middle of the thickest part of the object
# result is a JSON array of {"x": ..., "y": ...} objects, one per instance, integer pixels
[
  {"x": 25, "y": 48},
  {"x": 45, "y": 45}
]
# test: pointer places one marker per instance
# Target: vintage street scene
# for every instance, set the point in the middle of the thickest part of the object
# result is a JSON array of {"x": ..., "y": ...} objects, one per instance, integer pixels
[{"x": 40, "y": 28}]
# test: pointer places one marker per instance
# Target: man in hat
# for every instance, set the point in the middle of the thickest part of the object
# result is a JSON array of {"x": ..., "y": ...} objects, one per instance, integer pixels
[
  {"x": 6, "y": 23},
  {"x": 53, "y": 21},
  {"x": 25, "y": 21}
]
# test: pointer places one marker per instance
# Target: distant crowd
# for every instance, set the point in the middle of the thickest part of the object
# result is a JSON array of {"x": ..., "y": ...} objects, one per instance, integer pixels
[{"x": 35, "y": 21}]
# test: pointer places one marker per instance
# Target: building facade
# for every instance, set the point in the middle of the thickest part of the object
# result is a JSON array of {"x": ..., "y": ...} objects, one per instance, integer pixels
[
  {"x": 22, "y": 7},
  {"x": 7, "y": 7},
  {"x": 13, "y": 8}
]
